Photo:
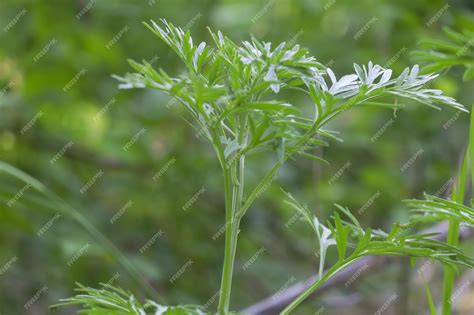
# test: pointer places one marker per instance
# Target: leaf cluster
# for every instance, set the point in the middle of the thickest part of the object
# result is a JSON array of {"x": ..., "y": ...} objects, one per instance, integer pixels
[
  {"x": 354, "y": 242},
  {"x": 438, "y": 209},
  {"x": 454, "y": 49},
  {"x": 110, "y": 300},
  {"x": 234, "y": 91}
]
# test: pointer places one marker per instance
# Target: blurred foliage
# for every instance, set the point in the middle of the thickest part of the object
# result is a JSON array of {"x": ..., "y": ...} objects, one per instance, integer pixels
[{"x": 64, "y": 121}]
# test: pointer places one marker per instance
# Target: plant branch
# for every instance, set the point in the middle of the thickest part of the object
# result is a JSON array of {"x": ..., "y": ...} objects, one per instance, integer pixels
[{"x": 270, "y": 306}]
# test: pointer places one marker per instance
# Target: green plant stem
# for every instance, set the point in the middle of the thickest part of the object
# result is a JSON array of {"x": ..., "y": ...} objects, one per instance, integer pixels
[
  {"x": 225, "y": 281},
  {"x": 316, "y": 284},
  {"x": 236, "y": 209},
  {"x": 227, "y": 270},
  {"x": 449, "y": 272},
  {"x": 270, "y": 175},
  {"x": 235, "y": 185},
  {"x": 449, "y": 275}
]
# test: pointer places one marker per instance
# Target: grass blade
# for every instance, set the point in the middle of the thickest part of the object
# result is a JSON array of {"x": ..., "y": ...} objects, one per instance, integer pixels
[{"x": 68, "y": 210}]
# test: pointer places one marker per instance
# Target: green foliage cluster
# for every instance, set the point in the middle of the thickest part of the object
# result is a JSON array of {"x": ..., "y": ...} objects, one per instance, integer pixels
[
  {"x": 231, "y": 93},
  {"x": 92, "y": 122},
  {"x": 456, "y": 48}
]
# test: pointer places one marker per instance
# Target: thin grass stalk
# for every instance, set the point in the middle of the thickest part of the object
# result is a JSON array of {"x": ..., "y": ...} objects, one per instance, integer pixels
[{"x": 76, "y": 215}]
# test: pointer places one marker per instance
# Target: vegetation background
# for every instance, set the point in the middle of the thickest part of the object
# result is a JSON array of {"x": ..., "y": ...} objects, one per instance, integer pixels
[{"x": 130, "y": 162}]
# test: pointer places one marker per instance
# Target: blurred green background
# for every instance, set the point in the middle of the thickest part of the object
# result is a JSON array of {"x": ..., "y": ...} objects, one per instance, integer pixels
[{"x": 63, "y": 120}]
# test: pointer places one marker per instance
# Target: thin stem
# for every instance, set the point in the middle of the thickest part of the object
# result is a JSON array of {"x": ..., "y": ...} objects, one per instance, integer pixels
[
  {"x": 316, "y": 284},
  {"x": 449, "y": 275},
  {"x": 269, "y": 176},
  {"x": 322, "y": 258},
  {"x": 238, "y": 209},
  {"x": 234, "y": 197},
  {"x": 224, "y": 295},
  {"x": 224, "y": 292},
  {"x": 227, "y": 271},
  {"x": 322, "y": 255},
  {"x": 449, "y": 272}
]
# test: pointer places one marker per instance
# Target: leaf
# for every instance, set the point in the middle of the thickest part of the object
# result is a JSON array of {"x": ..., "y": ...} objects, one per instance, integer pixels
[
  {"x": 383, "y": 105},
  {"x": 435, "y": 208},
  {"x": 341, "y": 234},
  {"x": 360, "y": 73},
  {"x": 231, "y": 146},
  {"x": 209, "y": 93},
  {"x": 304, "y": 211},
  {"x": 454, "y": 49},
  {"x": 324, "y": 235},
  {"x": 402, "y": 77},
  {"x": 271, "y": 106},
  {"x": 349, "y": 215},
  {"x": 429, "y": 298},
  {"x": 363, "y": 242},
  {"x": 271, "y": 75},
  {"x": 314, "y": 157}
]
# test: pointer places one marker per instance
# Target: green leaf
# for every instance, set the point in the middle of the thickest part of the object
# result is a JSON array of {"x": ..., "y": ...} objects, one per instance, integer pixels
[
  {"x": 271, "y": 106},
  {"x": 341, "y": 234},
  {"x": 384, "y": 105},
  {"x": 314, "y": 157},
  {"x": 429, "y": 298}
]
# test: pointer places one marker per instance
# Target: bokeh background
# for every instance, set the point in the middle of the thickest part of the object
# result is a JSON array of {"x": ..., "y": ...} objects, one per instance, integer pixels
[{"x": 64, "y": 121}]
